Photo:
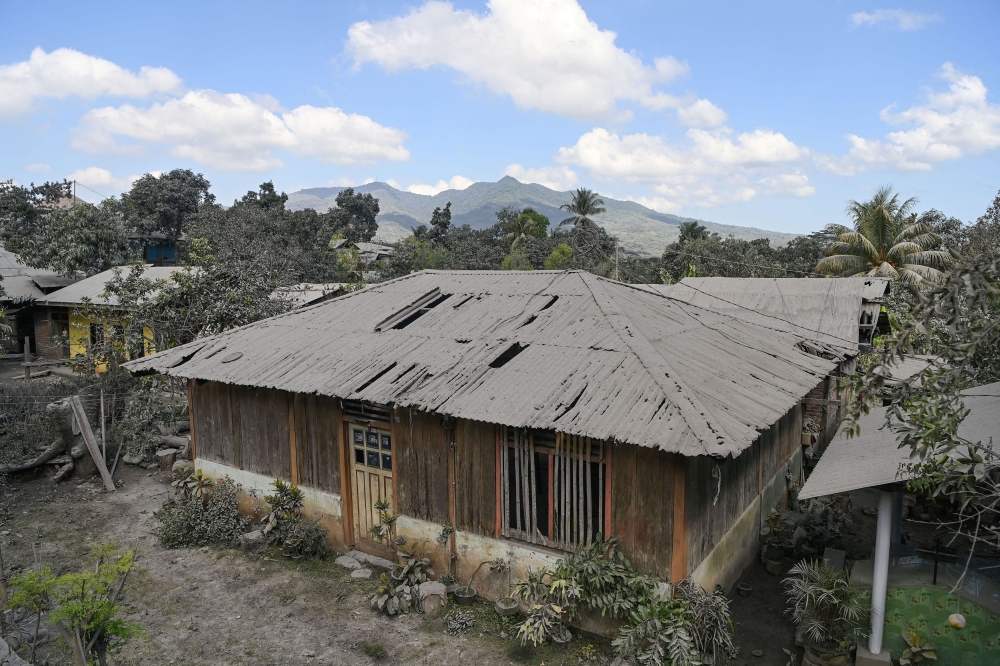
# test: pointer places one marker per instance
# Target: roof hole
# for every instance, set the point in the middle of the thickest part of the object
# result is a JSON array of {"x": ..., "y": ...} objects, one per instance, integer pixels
[
  {"x": 463, "y": 301},
  {"x": 417, "y": 314},
  {"x": 571, "y": 405},
  {"x": 376, "y": 377},
  {"x": 552, "y": 301},
  {"x": 529, "y": 320},
  {"x": 508, "y": 355}
]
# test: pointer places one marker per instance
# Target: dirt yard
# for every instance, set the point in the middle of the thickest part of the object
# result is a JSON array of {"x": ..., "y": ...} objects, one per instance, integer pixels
[{"x": 218, "y": 607}]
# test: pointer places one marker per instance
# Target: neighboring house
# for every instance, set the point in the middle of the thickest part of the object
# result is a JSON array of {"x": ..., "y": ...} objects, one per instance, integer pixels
[
  {"x": 310, "y": 293},
  {"x": 368, "y": 253},
  {"x": 532, "y": 411},
  {"x": 62, "y": 325},
  {"x": 22, "y": 286},
  {"x": 157, "y": 248}
]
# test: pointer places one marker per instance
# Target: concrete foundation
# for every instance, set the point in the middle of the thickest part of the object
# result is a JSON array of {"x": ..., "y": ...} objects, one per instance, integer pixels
[{"x": 866, "y": 658}]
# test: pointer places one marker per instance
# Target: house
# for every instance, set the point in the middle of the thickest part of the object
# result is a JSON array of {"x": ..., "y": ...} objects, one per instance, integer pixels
[
  {"x": 310, "y": 293},
  {"x": 63, "y": 327},
  {"x": 157, "y": 248},
  {"x": 529, "y": 412},
  {"x": 21, "y": 286}
]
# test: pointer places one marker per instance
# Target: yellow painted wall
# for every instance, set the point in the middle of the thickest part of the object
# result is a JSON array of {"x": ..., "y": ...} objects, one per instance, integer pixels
[{"x": 79, "y": 335}]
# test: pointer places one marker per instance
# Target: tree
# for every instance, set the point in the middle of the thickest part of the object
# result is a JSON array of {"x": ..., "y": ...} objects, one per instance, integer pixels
[
  {"x": 166, "y": 203},
  {"x": 887, "y": 241},
  {"x": 713, "y": 256},
  {"x": 583, "y": 207},
  {"x": 527, "y": 223},
  {"x": 266, "y": 198},
  {"x": 560, "y": 258},
  {"x": 691, "y": 231},
  {"x": 354, "y": 216},
  {"x": 440, "y": 222}
]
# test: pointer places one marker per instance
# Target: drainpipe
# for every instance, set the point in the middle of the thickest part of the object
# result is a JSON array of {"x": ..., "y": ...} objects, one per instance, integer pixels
[{"x": 880, "y": 573}]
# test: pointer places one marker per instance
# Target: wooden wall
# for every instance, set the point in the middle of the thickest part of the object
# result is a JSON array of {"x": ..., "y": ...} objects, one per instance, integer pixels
[
  {"x": 476, "y": 477},
  {"x": 742, "y": 480},
  {"x": 421, "y": 465},
  {"x": 318, "y": 432},
  {"x": 642, "y": 501},
  {"x": 249, "y": 429}
]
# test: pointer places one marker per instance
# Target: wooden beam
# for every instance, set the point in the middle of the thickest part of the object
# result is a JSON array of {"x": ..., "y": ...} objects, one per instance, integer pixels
[
  {"x": 679, "y": 549},
  {"x": 91, "y": 442},
  {"x": 293, "y": 454},
  {"x": 190, "y": 397},
  {"x": 818, "y": 401}
]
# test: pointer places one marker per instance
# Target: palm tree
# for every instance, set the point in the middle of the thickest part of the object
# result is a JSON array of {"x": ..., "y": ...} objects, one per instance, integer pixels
[
  {"x": 519, "y": 228},
  {"x": 585, "y": 203},
  {"x": 888, "y": 240}
]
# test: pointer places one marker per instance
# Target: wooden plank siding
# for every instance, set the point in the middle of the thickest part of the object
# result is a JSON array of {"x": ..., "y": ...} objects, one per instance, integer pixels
[
  {"x": 642, "y": 499},
  {"x": 211, "y": 418},
  {"x": 318, "y": 443},
  {"x": 264, "y": 430},
  {"x": 421, "y": 465},
  {"x": 476, "y": 474},
  {"x": 714, "y": 504}
]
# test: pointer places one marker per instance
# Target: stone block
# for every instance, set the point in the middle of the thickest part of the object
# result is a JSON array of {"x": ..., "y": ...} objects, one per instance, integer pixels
[
  {"x": 374, "y": 561},
  {"x": 866, "y": 658},
  {"x": 348, "y": 562},
  {"x": 361, "y": 573},
  {"x": 182, "y": 466}
]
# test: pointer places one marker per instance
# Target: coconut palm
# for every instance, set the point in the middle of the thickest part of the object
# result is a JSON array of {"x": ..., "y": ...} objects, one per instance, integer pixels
[
  {"x": 519, "y": 228},
  {"x": 585, "y": 203},
  {"x": 888, "y": 240}
]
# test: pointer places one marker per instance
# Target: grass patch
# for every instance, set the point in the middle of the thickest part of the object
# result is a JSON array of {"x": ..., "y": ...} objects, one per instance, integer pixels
[{"x": 374, "y": 650}]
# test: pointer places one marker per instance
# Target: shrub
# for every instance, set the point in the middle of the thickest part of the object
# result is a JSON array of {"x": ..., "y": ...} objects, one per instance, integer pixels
[
  {"x": 303, "y": 539},
  {"x": 195, "y": 522},
  {"x": 832, "y": 609},
  {"x": 712, "y": 623},
  {"x": 659, "y": 632}
]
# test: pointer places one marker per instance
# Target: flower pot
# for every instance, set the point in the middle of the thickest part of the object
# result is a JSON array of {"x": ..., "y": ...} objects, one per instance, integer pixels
[
  {"x": 743, "y": 589},
  {"x": 464, "y": 596},
  {"x": 506, "y": 606},
  {"x": 821, "y": 656},
  {"x": 563, "y": 637},
  {"x": 773, "y": 565}
]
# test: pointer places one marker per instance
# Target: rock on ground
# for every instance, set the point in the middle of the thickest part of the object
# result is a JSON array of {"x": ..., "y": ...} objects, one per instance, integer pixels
[
  {"x": 348, "y": 562},
  {"x": 361, "y": 573}
]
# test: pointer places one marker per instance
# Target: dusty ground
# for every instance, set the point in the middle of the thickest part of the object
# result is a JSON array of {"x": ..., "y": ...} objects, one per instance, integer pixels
[{"x": 218, "y": 607}]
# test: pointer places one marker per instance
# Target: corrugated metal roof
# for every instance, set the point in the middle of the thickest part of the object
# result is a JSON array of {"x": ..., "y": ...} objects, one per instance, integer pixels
[
  {"x": 599, "y": 358},
  {"x": 874, "y": 458},
  {"x": 306, "y": 293},
  {"x": 94, "y": 286},
  {"x": 827, "y": 310},
  {"x": 19, "y": 288}
]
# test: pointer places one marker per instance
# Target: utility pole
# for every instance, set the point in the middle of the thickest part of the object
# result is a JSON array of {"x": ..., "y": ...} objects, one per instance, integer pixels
[
  {"x": 616, "y": 260},
  {"x": 74, "y": 192}
]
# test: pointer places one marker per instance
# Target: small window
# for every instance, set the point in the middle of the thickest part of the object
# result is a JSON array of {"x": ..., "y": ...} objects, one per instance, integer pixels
[
  {"x": 96, "y": 334},
  {"x": 359, "y": 456},
  {"x": 386, "y": 442},
  {"x": 387, "y": 462},
  {"x": 373, "y": 459},
  {"x": 372, "y": 440}
]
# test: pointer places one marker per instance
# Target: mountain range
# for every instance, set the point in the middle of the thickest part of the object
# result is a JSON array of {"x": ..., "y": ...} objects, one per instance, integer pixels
[{"x": 640, "y": 229}]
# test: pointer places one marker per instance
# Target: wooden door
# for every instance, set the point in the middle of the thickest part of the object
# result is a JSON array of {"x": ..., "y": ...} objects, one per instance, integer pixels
[{"x": 371, "y": 478}]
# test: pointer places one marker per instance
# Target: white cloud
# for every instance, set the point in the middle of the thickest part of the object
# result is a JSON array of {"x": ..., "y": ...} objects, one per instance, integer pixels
[
  {"x": 900, "y": 19},
  {"x": 555, "y": 178},
  {"x": 947, "y": 126},
  {"x": 544, "y": 54},
  {"x": 67, "y": 73},
  {"x": 102, "y": 180},
  {"x": 38, "y": 167},
  {"x": 701, "y": 113},
  {"x": 232, "y": 132},
  {"x": 345, "y": 182},
  {"x": 712, "y": 168},
  {"x": 456, "y": 183}
]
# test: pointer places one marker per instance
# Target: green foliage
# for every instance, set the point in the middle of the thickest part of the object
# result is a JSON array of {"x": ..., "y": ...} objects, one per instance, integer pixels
[
  {"x": 544, "y": 622},
  {"x": 584, "y": 205},
  {"x": 400, "y": 592},
  {"x": 33, "y": 594},
  {"x": 285, "y": 502},
  {"x": 215, "y": 521},
  {"x": 560, "y": 258},
  {"x": 918, "y": 649},
  {"x": 385, "y": 529},
  {"x": 887, "y": 240},
  {"x": 190, "y": 484},
  {"x": 832, "y": 610},
  {"x": 302, "y": 538},
  {"x": 165, "y": 204},
  {"x": 516, "y": 261},
  {"x": 712, "y": 626},
  {"x": 374, "y": 650},
  {"x": 658, "y": 634}
]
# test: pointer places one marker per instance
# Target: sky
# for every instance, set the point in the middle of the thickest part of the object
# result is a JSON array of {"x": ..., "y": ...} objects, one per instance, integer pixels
[{"x": 770, "y": 114}]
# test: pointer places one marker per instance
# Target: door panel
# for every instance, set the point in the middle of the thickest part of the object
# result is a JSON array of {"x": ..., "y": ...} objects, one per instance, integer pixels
[{"x": 371, "y": 462}]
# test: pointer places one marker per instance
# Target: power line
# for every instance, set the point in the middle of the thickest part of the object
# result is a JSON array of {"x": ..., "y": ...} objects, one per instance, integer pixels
[{"x": 104, "y": 196}]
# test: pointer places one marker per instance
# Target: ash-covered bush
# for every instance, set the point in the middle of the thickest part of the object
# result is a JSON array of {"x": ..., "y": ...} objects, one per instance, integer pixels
[
  {"x": 302, "y": 538},
  {"x": 214, "y": 521}
]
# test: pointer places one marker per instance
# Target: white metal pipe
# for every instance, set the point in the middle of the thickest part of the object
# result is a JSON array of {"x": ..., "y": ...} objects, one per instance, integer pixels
[{"x": 880, "y": 573}]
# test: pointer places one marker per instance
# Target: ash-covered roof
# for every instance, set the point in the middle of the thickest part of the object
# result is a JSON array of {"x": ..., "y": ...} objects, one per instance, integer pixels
[
  {"x": 827, "y": 310},
  {"x": 874, "y": 458},
  {"x": 559, "y": 350},
  {"x": 92, "y": 287}
]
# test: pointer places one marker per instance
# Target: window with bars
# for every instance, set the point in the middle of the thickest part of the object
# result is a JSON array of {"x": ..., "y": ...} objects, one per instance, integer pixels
[{"x": 554, "y": 488}]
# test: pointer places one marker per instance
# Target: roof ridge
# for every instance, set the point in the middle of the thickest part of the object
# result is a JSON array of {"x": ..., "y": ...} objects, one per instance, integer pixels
[{"x": 694, "y": 413}]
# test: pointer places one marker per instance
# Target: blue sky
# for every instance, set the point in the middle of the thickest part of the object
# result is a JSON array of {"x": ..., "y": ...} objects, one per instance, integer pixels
[{"x": 770, "y": 114}]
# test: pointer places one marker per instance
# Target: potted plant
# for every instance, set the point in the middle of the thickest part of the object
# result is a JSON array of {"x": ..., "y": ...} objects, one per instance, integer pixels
[
  {"x": 506, "y": 605},
  {"x": 466, "y": 594},
  {"x": 831, "y": 609}
]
